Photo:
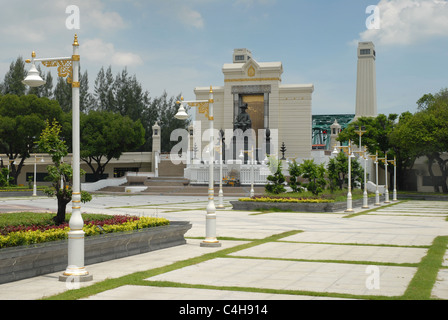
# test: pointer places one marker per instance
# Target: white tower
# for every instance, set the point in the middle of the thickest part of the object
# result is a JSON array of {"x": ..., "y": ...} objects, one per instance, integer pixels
[{"x": 366, "y": 83}]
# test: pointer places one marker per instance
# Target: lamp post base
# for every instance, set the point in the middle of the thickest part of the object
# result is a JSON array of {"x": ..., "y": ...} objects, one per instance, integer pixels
[
  {"x": 210, "y": 244},
  {"x": 83, "y": 278}
]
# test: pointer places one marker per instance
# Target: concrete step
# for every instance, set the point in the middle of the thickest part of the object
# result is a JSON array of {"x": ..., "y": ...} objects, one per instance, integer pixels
[{"x": 166, "y": 181}]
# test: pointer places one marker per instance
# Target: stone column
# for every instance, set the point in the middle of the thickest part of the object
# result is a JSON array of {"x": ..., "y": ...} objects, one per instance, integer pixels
[{"x": 156, "y": 146}]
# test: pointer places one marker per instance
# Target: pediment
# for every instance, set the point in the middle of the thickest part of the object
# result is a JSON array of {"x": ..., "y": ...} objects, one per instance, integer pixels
[{"x": 251, "y": 68}]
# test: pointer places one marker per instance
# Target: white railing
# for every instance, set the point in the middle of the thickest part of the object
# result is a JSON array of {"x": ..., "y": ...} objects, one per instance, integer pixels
[{"x": 199, "y": 173}]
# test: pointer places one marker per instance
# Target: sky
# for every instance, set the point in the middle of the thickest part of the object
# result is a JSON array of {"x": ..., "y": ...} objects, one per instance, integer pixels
[{"x": 174, "y": 46}]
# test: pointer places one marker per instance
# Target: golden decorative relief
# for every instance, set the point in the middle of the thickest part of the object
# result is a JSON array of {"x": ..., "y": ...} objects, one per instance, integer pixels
[
  {"x": 251, "y": 72},
  {"x": 64, "y": 68},
  {"x": 253, "y": 79}
]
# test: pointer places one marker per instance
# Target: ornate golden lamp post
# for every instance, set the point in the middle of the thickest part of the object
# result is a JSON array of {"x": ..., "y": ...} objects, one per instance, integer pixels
[
  {"x": 69, "y": 67},
  {"x": 206, "y": 107}
]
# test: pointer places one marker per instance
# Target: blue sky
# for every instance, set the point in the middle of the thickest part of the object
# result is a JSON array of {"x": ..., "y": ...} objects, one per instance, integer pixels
[{"x": 177, "y": 45}]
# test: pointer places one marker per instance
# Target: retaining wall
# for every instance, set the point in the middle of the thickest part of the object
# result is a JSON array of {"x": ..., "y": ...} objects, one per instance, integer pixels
[{"x": 30, "y": 261}]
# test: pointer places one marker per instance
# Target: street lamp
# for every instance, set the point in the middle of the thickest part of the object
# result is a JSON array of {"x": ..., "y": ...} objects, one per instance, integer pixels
[
  {"x": 377, "y": 193},
  {"x": 386, "y": 191},
  {"x": 394, "y": 162},
  {"x": 206, "y": 107},
  {"x": 350, "y": 155},
  {"x": 360, "y": 131},
  {"x": 69, "y": 67},
  {"x": 252, "y": 178},
  {"x": 220, "y": 193},
  {"x": 35, "y": 173}
]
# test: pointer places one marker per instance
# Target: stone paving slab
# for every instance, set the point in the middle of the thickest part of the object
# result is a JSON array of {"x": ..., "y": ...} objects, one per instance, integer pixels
[
  {"x": 334, "y": 252},
  {"x": 292, "y": 275},
  {"x": 165, "y": 293},
  {"x": 440, "y": 289},
  {"x": 363, "y": 238}
]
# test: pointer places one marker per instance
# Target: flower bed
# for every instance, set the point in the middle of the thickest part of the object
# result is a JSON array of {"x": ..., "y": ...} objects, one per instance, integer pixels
[
  {"x": 284, "y": 199},
  {"x": 11, "y": 236},
  {"x": 293, "y": 204},
  {"x": 131, "y": 238}
]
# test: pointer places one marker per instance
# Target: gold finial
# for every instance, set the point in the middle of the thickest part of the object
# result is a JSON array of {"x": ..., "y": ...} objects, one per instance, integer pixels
[
  {"x": 33, "y": 55},
  {"x": 211, "y": 89},
  {"x": 76, "y": 41}
]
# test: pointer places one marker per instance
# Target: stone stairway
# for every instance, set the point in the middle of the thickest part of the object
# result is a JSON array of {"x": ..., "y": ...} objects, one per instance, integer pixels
[{"x": 179, "y": 186}]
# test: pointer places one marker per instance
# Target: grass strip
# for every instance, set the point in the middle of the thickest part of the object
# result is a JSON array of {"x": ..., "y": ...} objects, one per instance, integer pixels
[
  {"x": 422, "y": 283},
  {"x": 372, "y": 210}
]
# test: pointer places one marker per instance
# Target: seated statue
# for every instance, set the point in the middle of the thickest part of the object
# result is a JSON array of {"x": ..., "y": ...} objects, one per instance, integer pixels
[{"x": 243, "y": 120}]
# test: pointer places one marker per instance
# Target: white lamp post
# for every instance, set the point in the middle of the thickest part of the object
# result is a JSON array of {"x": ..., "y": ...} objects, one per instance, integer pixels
[
  {"x": 210, "y": 219},
  {"x": 220, "y": 193},
  {"x": 360, "y": 131},
  {"x": 350, "y": 155},
  {"x": 35, "y": 173},
  {"x": 377, "y": 192},
  {"x": 69, "y": 67},
  {"x": 395, "y": 179},
  {"x": 386, "y": 191}
]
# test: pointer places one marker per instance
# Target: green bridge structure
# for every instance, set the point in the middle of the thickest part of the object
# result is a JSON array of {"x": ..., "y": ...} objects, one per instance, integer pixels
[{"x": 321, "y": 125}]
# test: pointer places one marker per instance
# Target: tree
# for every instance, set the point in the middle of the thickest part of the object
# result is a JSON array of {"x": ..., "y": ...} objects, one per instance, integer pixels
[
  {"x": 12, "y": 83},
  {"x": 167, "y": 109},
  {"x": 425, "y": 134},
  {"x": 277, "y": 179},
  {"x": 315, "y": 174},
  {"x": 105, "y": 136},
  {"x": 59, "y": 173},
  {"x": 294, "y": 173},
  {"x": 63, "y": 94},
  {"x": 22, "y": 119},
  {"x": 338, "y": 171},
  {"x": 104, "y": 91}
]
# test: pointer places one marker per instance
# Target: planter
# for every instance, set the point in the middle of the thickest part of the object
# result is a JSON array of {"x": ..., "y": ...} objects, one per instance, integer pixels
[
  {"x": 30, "y": 261},
  {"x": 298, "y": 206}
]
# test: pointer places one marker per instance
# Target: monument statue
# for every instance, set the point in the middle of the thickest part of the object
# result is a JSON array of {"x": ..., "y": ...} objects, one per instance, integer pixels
[{"x": 243, "y": 120}]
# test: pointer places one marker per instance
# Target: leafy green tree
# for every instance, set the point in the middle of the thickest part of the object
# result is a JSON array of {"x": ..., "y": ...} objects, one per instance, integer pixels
[
  {"x": 105, "y": 136},
  {"x": 60, "y": 174},
  {"x": 337, "y": 169},
  {"x": 315, "y": 174},
  {"x": 4, "y": 182},
  {"x": 424, "y": 134},
  {"x": 22, "y": 119}
]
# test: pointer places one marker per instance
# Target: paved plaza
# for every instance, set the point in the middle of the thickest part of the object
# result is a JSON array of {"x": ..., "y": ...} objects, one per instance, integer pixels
[{"x": 315, "y": 256}]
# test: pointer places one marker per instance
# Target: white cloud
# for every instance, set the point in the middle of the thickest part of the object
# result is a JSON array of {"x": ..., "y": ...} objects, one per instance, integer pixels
[
  {"x": 190, "y": 17},
  {"x": 96, "y": 50},
  {"x": 407, "y": 22}
]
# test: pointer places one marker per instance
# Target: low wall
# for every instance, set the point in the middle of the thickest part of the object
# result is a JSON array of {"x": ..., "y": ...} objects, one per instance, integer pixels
[
  {"x": 30, "y": 261},
  {"x": 298, "y": 207}
]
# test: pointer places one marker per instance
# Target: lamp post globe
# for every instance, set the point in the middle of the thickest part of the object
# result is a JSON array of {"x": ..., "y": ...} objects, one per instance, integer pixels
[{"x": 33, "y": 78}]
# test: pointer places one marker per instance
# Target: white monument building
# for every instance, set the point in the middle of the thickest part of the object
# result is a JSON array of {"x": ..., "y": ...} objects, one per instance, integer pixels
[{"x": 286, "y": 110}]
